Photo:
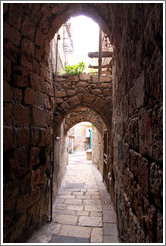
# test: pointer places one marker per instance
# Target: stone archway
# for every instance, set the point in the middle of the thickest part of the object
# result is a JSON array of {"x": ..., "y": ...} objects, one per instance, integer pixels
[
  {"x": 84, "y": 91},
  {"x": 83, "y": 114},
  {"x": 136, "y": 31}
]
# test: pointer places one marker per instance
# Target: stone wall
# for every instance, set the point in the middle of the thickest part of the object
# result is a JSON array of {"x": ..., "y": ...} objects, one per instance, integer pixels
[
  {"x": 80, "y": 91},
  {"x": 27, "y": 125},
  {"x": 61, "y": 159},
  {"x": 135, "y": 30},
  {"x": 137, "y": 124},
  {"x": 97, "y": 149}
]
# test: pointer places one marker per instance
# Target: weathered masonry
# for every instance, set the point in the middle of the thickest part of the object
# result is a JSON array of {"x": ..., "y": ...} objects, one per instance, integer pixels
[{"x": 130, "y": 105}]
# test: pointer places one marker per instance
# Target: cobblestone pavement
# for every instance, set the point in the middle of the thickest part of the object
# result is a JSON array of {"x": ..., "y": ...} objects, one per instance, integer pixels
[{"x": 83, "y": 211}]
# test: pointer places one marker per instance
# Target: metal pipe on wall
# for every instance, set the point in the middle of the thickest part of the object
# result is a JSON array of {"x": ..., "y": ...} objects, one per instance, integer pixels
[{"x": 53, "y": 76}]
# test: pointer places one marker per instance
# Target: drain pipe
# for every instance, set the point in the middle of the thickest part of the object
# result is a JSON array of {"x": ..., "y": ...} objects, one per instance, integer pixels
[{"x": 50, "y": 174}]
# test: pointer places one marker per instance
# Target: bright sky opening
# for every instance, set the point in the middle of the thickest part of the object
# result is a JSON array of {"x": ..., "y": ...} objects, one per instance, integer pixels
[{"x": 85, "y": 35}]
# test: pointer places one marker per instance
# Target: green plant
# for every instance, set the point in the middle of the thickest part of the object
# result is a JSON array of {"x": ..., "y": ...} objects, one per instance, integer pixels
[{"x": 75, "y": 69}]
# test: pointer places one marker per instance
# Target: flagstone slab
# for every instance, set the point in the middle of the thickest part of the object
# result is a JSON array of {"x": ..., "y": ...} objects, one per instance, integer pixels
[
  {"x": 66, "y": 219},
  {"x": 75, "y": 231},
  {"x": 90, "y": 221},
  {"x": 93, "y": 208},
  {"x": 97, "y": 235},
  {"x": 73, "y": 201},
  {"x": 66, "y": 239},
  {"x": 74, "y": 207}
]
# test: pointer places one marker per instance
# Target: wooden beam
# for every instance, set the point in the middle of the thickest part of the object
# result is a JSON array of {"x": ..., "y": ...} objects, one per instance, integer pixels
[
  {"x": 104, "y": 54},
  {"x": 100, "y": 54},
  {"x": 103, "y": 66},
  {"x": 102, "y": 72}
]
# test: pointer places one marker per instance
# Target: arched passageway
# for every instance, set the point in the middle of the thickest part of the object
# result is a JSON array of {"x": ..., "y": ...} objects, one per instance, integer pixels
[
  {"x": 84, "y": 91},
  {"x": 136, "y": 31},
  {"x": 83, "y": 114}
]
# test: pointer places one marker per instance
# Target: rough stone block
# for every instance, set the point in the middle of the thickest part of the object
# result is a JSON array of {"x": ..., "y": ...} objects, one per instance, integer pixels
[
  {"x": 7, "y": 113},
  {"x": 46, "y": 136},
  {"x": 156, "y": 183},
  {"x": 36, "y": 82},
  {"x": 17, "y": 95},
  {"x": 37, "y": 53},
  {"x": 60, "y": 93},
  {"x": 10, "y": 51},
  {"x": 71, "y": 92},
  {"x": 65, "y": 106},
  {"x": 21, "y": 114},
  {"x": 97, "y": 91},
  {"x": 128, "y": 179},
  {"x": 29, "y": 96},
  {"x": 34, "y": 156},
  {"x": 107, "y": 92},
  {"x": 20, "y": 77},
  {"x": 133, "y": 161},
  {"x": 145, "y": 132},
  {"x": 39, "y": 38},
  {"x": 159, "y": 228},
  {"x": 84, "y": 76},
  {"x": 95, "y": 79},
  {"x": 35, "y": 135},
  {"x": 8, "y": 139},
  {"x": 22, "y": 137},
  {"x": 88, "y": 99},
  {"x": 40, "y": 116},
  {"x": 140, "y": 91},
  {"x": 66, "y": 85},
  {"x": 106, "y": 85},
  {"x": 45, "y": 72},
  {"x": 74, "y": 78},
  {"x": 138, "y": 203},
  {"x": 133, "y": 127},
  {"x": 6, "y": 68},
  {"x": 15, "y": 15},
  {"x": 81, "y": 84},
  {"x": 28, "y": 28},
  {"x": 73, "y": 101},
  {"x": 42, "y": 100},
  {"x": 27, "y": 63},
  {"x": 143, "y": 174},
  {"x": 99, "y": 102},
  {"x": 27, "y": 47},
  {"x": 157, "y": 133},
  {"x": 11, "y": 33}
]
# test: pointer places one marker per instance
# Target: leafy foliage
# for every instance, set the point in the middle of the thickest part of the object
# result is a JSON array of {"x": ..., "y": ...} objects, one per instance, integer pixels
[{"x": 75, "y": 69}]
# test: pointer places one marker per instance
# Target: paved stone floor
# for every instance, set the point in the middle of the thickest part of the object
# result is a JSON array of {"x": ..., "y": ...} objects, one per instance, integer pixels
[{"x": 83, "y": 211}]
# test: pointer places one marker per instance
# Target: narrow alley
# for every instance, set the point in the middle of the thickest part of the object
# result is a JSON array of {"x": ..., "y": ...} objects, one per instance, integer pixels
[
  {"x": 115, "y": 92},
  {"x": 83, "y": 211}
]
